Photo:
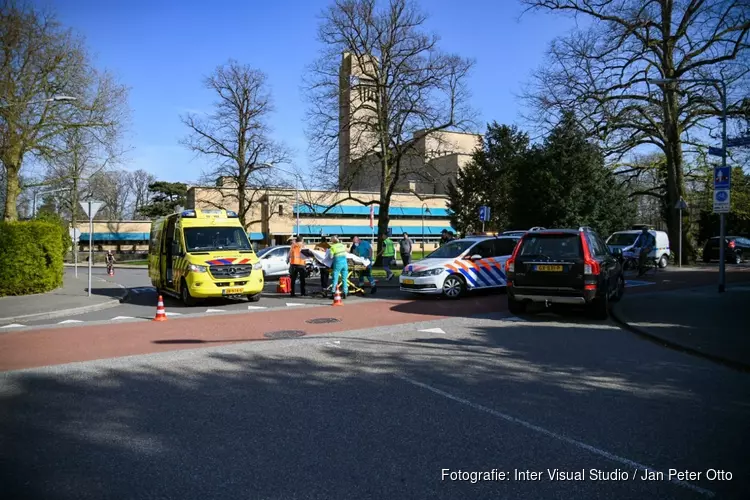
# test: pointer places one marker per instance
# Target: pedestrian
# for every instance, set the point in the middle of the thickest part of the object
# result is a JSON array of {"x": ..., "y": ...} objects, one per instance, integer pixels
[
  {"x": 405, "y": 247},
  {"x": 389, "y": 257},
  {"x": 297, "y": 266},
  {"x": 323, "y": 246},
  {"x": 340, "y": 266},
  {"x": 444, "y": 237},
  {"x": 364, "y": 250}
]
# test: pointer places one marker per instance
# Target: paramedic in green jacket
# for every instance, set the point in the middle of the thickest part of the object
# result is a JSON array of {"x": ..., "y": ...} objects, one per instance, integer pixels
[
  {"x": 389, "y": 257},
  {"x": 340, "y": 265}
]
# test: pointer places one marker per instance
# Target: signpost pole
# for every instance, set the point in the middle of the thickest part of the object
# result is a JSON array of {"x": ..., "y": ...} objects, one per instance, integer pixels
[
  {"x": 722, "y": 228},
  {"x": 91, "y": 243},
  {"x": 90, "y": 207},
  {"x": 679, "y": 248}
]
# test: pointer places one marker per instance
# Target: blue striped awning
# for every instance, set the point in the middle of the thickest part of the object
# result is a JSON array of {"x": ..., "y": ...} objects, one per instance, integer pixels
[
  {"x": 310, "y": 209},
  {"x": 116, "y": 237},
  {"x": 326, "y": 230},
  {"x": 255, "y": 236}
]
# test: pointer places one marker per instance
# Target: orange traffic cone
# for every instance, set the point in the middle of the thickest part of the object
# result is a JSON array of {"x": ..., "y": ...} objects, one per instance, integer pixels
[
  {"x": 337, "y": 298},
  {"x": 161, "y": 313}
]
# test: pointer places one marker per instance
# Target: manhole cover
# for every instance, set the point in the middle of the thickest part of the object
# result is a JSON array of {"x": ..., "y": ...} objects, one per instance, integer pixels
[
  {"x": 318, "y": 321},
  {"x": 284, "y": 334}
]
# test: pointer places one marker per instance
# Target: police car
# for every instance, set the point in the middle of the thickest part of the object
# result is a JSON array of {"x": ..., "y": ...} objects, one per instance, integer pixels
[{"x": 467, "y": 264}]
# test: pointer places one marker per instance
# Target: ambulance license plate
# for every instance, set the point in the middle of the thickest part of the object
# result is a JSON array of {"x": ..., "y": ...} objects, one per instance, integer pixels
[
  {"x": 232, "y": 291},
  {"x": 408, "y": 282}
]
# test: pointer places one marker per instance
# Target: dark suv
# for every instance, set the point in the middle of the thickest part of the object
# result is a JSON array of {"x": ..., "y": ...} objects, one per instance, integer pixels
[
  {"x": 736, "y": 250},
  {"x": 564, "y": 266}
]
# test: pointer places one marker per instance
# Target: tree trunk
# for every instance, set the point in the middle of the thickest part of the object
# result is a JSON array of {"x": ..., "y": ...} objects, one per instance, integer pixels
[
  {"x": 12, "y": 189},
  {"x": 383, "y": 221},
  {"x": 675, "y": 179}
]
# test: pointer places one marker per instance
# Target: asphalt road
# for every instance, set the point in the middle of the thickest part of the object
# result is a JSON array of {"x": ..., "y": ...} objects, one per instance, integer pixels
[{"x": 381, "y": 413}]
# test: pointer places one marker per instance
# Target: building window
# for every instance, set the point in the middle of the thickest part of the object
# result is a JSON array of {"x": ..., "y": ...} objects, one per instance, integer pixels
[{"x": 281, "y": 210}]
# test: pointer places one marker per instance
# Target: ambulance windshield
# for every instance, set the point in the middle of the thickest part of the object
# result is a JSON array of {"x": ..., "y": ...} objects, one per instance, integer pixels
[{"x": 210, "y": 239}]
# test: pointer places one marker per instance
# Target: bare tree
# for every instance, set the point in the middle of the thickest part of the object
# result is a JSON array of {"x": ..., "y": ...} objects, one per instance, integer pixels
[
  {"x": 113, "y": 189},
  {"x": 236, "y": 136},
  {"x": 139, "y": 182},
  {"x": 40, "y": 65},
  {"x": 80, "y": 153},
  {"x": 403, "y": 89},
  {"x": 603, "y": 72}
]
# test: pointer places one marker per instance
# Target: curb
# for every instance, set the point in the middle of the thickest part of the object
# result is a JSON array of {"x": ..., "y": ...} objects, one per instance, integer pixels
[
  {"x": 643, "y": 332},
  {"x": 102, "y": 266},
  {"x": 114, "y": 302}
]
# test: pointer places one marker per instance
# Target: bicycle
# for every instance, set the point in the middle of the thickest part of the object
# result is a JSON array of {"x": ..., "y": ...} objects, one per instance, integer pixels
[{"x": 632, "y": 263}]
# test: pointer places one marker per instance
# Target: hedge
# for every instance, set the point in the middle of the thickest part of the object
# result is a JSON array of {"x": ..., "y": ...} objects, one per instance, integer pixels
[{"x": 32, "y": 257}]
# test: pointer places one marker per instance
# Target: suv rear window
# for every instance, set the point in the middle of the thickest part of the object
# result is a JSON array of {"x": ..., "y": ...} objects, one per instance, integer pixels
[{"x": 551, "y": 246}]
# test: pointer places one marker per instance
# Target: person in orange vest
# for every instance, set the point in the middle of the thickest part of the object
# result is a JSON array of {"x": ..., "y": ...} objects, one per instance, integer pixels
[{"x": 297, "y": 266}]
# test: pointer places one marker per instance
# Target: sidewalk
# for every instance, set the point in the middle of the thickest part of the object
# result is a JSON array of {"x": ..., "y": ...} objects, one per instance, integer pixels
[
  {"x": 697, "y": 320},
  {"x": 68, "y": 300}
]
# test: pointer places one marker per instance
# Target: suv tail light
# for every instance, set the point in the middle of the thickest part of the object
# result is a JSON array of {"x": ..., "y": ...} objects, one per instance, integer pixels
[
  {"x": 510, "y": 264},
  {"x": 731, "y": 244},
  {"x": 590, "y": 266}
]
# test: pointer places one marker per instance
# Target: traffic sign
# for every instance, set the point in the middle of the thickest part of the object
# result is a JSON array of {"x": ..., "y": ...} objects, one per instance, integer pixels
[
  {"x": 715, "y": 151},
  {"x": 91, "y": 208},
  {"x": 484, "y": 213},
  {"x": 738, "y": 141},
  {"x": 681, "y": 205},
  {"x": 721, "y": 201},
  {"x": 75, "y": 234},
  {"x": 722, "y": 177}
]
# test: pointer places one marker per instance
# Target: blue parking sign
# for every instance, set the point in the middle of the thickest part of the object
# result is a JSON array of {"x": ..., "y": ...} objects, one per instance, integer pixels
[
  {"x": 722, "y": 177},
  {"x": 484, "y": 213}
]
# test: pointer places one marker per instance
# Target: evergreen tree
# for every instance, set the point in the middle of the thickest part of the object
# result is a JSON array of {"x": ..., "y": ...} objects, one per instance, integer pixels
[
  {"x": 488, "y": 180},
  {"x": 166, "y": 197},
  {"x": 565, "y": 183}
]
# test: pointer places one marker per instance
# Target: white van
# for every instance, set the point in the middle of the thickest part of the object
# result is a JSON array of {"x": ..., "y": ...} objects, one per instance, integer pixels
[{"x": 624, "y": 240}]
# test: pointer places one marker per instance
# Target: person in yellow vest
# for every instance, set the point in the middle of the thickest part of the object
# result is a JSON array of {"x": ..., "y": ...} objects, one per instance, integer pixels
[
  {"x": 389, "y": 257},
  {"x": 340, "y": 265},
  {"x": 297, "y": 266}
]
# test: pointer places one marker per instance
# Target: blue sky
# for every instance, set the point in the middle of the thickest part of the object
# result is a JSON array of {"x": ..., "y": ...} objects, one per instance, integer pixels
[{"x": 162, "y": 50}]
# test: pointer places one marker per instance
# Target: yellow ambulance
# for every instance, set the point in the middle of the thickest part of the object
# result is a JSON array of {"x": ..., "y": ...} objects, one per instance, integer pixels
[{"x": 197, "y": 254}]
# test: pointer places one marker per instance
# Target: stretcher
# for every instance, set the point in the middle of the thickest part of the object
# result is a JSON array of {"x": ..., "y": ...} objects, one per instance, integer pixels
[{"x": 355, "y": 264}]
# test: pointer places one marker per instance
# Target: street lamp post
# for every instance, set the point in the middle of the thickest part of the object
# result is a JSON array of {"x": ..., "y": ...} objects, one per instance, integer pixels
[
  {"x": 33, "y": 206},
  {"x": 722, "y": 227},
  {"x": 296, "y": 191},
  {"x": 56, "y": 98},
  {"x": 421, "y": 244}
]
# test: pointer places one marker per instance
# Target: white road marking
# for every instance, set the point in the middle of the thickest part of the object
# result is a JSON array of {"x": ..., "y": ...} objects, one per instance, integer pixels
[
  {"x": 252, "y": 308},
  {"x": 432, "y": 330},
  {"x": 209, "y": 310},
  {"x": 116, "y": 318},
  {"x": 173, "y": 314},
  {"x": 14, "y": 325},
  {"x": 512, "y": 318},
  {"x": 632, "y": 283},
  {"x": 292, "y": 304},
  {"x": 70, "y": 321},
  {"x": 554, "y": 435}
]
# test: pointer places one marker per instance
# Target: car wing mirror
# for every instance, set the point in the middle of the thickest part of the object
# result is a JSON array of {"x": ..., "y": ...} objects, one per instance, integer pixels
[{"x": 476, "y": 256}]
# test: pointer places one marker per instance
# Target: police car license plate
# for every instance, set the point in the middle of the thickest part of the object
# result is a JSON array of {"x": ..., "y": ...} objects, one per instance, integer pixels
[
  {"x": 232, "y": 291},
  {"x": 408, "y": 282},
  {"x": 554, "y": 269}
]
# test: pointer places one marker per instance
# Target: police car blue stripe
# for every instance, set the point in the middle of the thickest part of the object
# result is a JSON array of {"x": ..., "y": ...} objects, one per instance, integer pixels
[
  {"x": 468, "y": 277},
  {"x": 485, "y": 281},
  {"x": 497, "y": 275}
]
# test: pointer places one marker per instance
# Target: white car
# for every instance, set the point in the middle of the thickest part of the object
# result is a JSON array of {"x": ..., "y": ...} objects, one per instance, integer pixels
[
  {"x": 624, "y": 241},
  {"x": 460, "y": 265},
  {"x": 274, "y": 260}
]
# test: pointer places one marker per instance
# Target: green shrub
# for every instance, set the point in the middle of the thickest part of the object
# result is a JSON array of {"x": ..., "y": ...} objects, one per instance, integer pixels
[
  {"x": 32, "y": 257},
  {"x": 67, "y": 241}
]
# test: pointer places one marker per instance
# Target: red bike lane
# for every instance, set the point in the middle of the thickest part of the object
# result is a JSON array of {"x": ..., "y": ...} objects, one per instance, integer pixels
[{"x": 53, "y": 346}]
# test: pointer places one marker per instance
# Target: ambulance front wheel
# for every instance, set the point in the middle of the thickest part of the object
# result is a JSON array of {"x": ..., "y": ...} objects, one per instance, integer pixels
[
  {"x": 254, "y": 297},
  {"x": 187, "y": 299}
]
